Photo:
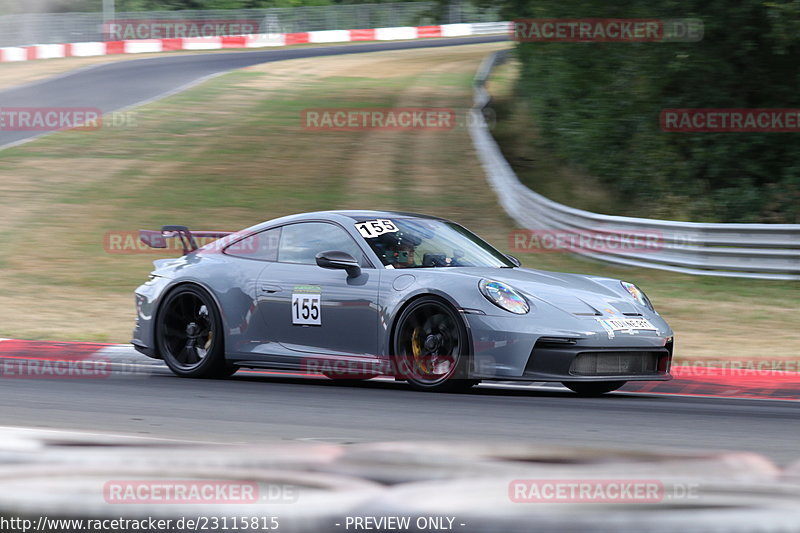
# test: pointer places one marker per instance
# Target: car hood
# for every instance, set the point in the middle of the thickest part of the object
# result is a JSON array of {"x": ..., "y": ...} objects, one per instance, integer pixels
[{"x": 575, "y": 294}]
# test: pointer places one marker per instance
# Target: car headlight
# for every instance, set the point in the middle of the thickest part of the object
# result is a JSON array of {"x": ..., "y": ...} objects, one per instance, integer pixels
[
  {"x": 504, "y": 296},
  {"x": 637, "y": 294}
]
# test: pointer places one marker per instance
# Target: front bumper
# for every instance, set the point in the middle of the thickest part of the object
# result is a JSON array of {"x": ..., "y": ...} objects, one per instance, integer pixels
[
  {"x": 558, "y": 361},
  {"x": 513, "y": 348}
]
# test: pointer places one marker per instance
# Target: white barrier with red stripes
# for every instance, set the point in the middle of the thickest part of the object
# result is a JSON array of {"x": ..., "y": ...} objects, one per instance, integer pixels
[{"x": 51, "y": 51}]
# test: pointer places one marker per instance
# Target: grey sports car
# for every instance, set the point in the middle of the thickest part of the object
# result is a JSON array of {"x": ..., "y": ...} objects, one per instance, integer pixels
[{"x": 359, "y": 294}]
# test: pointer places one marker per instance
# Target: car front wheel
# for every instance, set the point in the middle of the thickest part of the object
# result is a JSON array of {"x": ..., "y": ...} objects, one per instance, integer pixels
[{"x": 431, "y": 349}]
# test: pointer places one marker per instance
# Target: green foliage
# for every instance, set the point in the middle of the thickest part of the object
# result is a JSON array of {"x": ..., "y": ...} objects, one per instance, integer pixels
[{"x": 598, "y": 104}]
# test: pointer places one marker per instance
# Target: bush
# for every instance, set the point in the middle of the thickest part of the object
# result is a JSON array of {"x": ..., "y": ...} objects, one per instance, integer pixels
[{"x": 598, "y": 104}]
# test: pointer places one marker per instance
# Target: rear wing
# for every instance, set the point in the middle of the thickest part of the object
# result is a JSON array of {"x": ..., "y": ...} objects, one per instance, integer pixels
[{"x": 158, "y": 239}]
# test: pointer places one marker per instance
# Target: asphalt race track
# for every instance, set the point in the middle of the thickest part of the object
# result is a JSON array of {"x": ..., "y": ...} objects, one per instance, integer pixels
[
  {"x": 254, "y": 407},
  {"x": 121, "y": 84}
]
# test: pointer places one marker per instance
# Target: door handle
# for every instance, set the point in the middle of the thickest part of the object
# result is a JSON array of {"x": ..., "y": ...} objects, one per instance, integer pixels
[{"x": 270, "y": 289}]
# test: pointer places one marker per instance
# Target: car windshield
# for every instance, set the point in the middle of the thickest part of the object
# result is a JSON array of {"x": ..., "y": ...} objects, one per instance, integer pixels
[{"x": 428, "y": 243}]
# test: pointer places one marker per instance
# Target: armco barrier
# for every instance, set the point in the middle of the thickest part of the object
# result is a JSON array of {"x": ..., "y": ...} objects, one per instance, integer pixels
[
  {"x": 766, "y": 251},
  {"x": 50, "y": 51}
]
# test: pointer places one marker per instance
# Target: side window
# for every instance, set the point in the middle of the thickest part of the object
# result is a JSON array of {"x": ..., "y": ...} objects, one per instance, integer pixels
[
  {"x": 300, "y": 243},
  {"x": 262, "y": 246}
]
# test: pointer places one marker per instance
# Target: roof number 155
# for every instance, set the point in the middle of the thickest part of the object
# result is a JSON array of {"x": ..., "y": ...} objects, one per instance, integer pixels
[{"x": 372, "y": 228}]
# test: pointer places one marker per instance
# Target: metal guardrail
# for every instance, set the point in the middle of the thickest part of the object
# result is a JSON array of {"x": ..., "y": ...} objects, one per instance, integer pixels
[
  {"x": 765, "y": 251},
  {"x": 55, "y": 28}
]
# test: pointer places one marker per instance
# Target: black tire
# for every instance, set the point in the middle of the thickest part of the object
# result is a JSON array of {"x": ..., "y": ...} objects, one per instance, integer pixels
[
  {"x": 593, "y": 388},
  {"x": 189, "y": 334},
  {"x": 440, "y": 360}
]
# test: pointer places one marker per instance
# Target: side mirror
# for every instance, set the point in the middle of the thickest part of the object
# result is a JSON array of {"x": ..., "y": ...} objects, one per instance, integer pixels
[
  {"x": 514, "y": 260},
  {"x": 339, "y": 260}
]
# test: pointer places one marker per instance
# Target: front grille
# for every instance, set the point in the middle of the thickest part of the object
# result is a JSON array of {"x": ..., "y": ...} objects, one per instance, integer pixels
[{"x": 614, "y": 363}]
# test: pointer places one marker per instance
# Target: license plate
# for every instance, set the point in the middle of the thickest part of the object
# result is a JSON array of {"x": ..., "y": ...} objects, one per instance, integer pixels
[{"x": 620, "y": 324}]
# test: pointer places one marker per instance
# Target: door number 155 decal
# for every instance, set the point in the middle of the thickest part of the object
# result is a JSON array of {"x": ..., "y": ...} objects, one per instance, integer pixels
[{"x": 306, "y": 309}]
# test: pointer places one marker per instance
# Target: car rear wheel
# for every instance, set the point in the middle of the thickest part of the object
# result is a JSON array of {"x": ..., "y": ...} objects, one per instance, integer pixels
[
  {"x": 189, "y": 335},
  {"x": 593, "y": 388},
  {"x": 431, "y": 349}
]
